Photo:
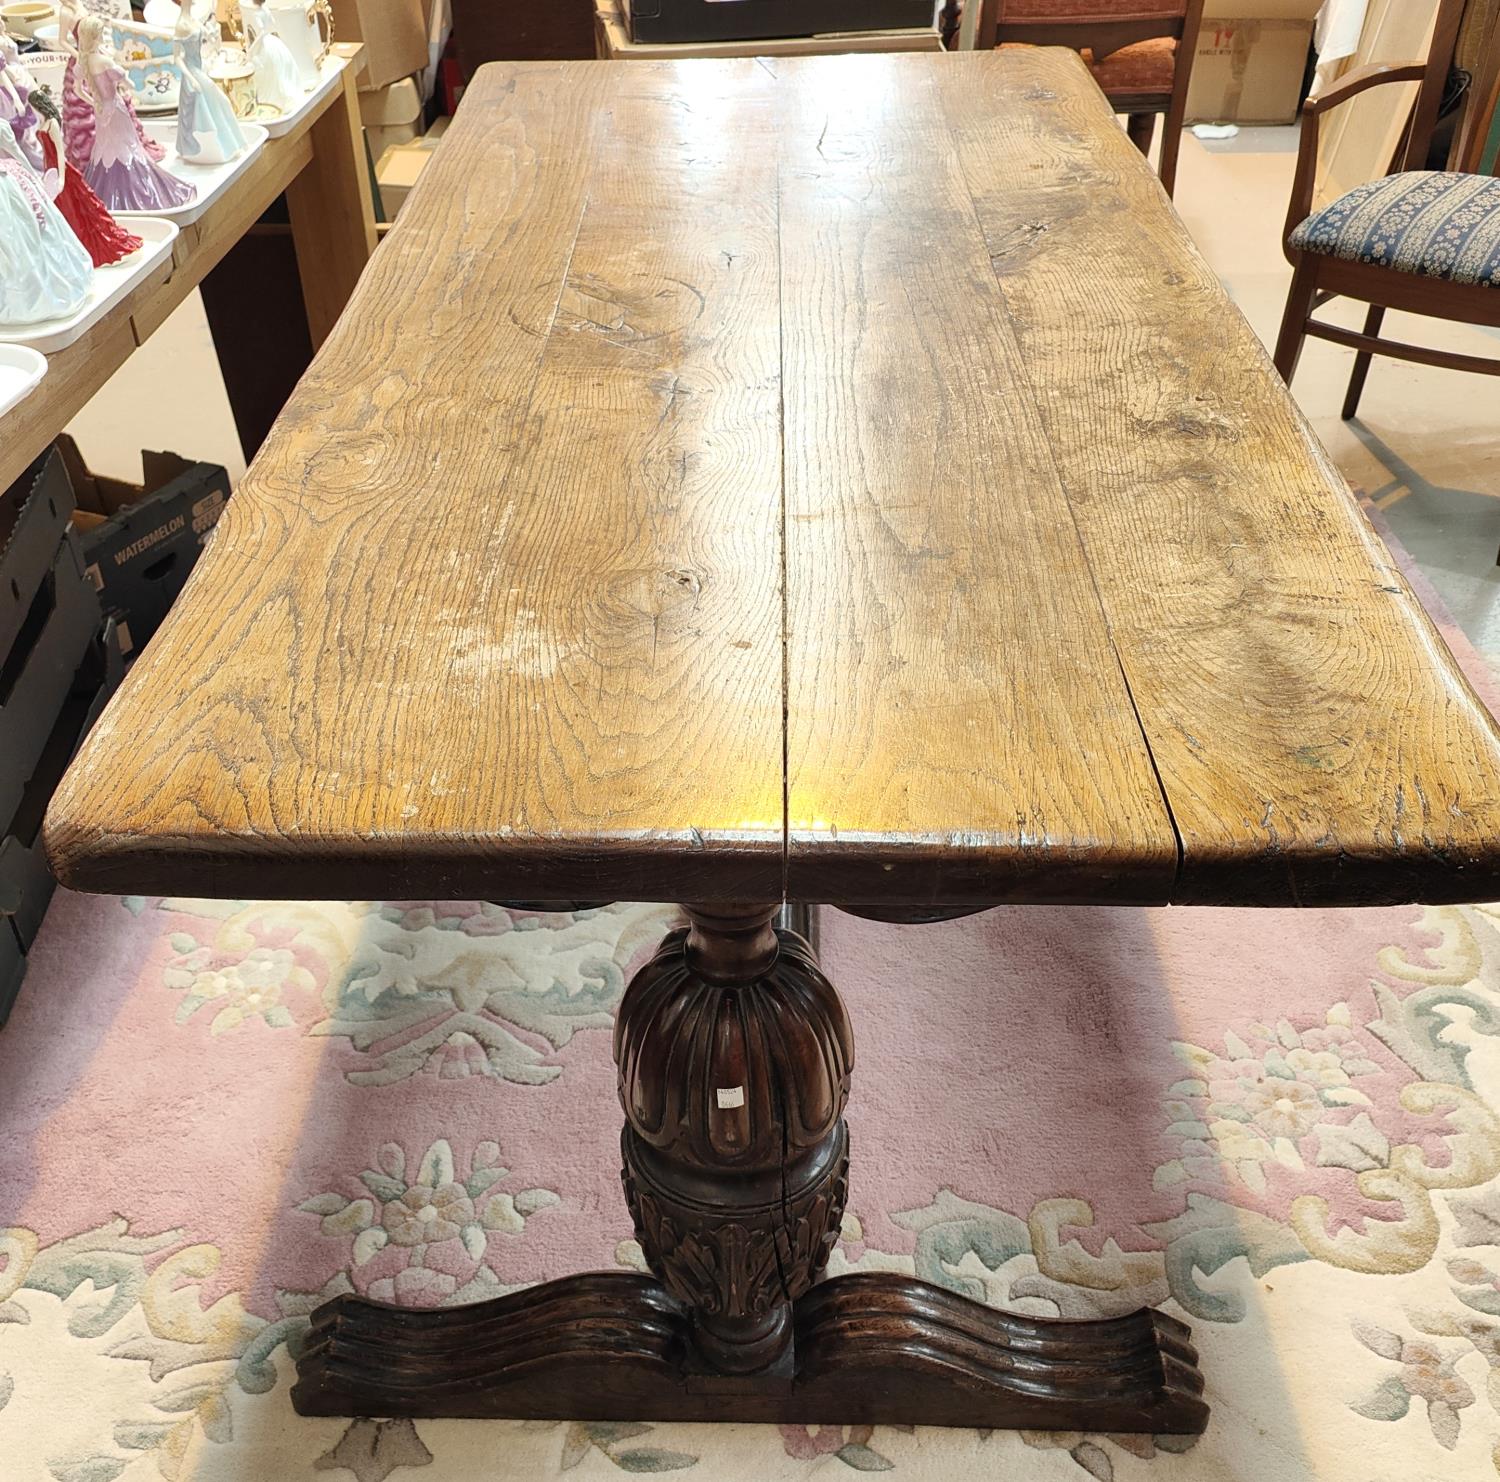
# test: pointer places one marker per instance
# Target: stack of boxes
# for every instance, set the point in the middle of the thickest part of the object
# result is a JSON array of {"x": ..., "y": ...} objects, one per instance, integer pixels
[
  {"x": 402, "y": 40},
  {"x": 59, "y": 662},
  {"x": 89, "y": 567}
]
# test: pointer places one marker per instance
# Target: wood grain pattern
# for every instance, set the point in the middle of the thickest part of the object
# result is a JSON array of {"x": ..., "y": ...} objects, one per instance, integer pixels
[
  {"x": 1075, "y": 608},
  {"x": 498, "y": 604},
  {"x": 957, "y": 725},
  {"x": 1316, "y": 742}
]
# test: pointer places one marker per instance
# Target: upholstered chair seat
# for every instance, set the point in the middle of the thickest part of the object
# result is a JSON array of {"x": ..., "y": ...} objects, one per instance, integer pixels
[{"x": 1436, "y": 225}]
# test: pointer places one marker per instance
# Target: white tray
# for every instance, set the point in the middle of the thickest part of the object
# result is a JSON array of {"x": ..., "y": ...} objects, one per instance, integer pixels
[
  {"x": 328, "y": 78},
  {"x": 21, "y": 368},
  {"x": 111, "y": 284},
  {"x": 211, "y": 180}
]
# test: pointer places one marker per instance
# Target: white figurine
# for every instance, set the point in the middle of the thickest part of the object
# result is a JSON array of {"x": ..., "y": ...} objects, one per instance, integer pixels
[
  {"x": 45, "y": 273},
  {"x": 208, "y": 133},
  {"x": 277, "y": 82}
]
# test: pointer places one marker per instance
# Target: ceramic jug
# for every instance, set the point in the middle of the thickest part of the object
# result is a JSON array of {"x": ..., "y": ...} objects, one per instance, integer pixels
[{"x": 306, "y": 26}]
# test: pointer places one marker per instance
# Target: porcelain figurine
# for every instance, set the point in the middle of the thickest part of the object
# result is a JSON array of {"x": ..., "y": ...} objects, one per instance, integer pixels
[
  {"x": 16, "y": 112},
  {"x": 44, "y": 271},
  {"x": 208, "y": 133},
  {"x": 103, "y": 238},
  {"x": 78, "y": 106},
  {"x": 120, "y": 171},
  {"x": 278, "y": 84}
]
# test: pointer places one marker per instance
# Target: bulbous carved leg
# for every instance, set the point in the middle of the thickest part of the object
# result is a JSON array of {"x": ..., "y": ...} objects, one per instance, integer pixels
[{"x": 734, "y": 1054}]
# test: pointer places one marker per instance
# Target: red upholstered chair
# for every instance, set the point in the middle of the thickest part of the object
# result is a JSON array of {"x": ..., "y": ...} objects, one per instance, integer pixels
[{"x": 1140, "y": 52}]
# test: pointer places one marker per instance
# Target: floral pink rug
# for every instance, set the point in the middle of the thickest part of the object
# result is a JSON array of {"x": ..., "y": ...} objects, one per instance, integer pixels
[{"x": 1282, "y": 1126}]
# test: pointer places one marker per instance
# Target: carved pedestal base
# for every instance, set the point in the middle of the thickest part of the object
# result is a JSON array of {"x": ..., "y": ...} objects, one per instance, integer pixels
[
  {"x": 867, "y": 1350},
  {"x": 734, "y": 1055}
]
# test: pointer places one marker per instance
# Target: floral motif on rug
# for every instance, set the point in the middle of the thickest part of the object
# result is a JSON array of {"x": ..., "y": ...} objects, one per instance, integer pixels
[
  {"x": 1283, "y": 1126},
  {"x": 442, "y": 988}
]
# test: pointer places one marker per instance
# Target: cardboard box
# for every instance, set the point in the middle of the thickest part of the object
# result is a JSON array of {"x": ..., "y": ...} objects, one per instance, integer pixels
[
  {"x": 140, "y": 542},
  {"x": 394, "y": 33},
  {"x": 391, "y": 115},
  {"x": 26, "y": 884},
  {"x": 758, "y": 20},
  {"x": 401, "y": 167},
  {"x": 34, "y": 515},
  {"x": 613, "y": 40},
  {"x": 37, "y": 672},
  {"x": 1250, "y": 65},
  {"x": 12, "y": 971}
]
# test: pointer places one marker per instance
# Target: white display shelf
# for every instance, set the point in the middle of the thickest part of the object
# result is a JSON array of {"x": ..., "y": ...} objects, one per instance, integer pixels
[
  {"x": 21, "y": 372},
  {"x": 209, "y": 181},
  {"x": 110, "y": 285},
  {"x": 329, "y": 72}
]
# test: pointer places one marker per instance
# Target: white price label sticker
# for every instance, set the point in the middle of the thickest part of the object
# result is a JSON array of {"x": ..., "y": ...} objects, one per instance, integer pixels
[{"x": 730, "y": 1097}]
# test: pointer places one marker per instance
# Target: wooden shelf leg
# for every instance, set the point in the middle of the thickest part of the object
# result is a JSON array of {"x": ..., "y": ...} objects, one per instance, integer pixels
[{"x": 332, "y": 211}]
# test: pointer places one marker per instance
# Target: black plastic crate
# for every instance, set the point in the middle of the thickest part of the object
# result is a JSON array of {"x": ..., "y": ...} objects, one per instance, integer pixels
[
  {"x": 757, "y": 20},
  {"x": 26, "y": 884},
  {"x": 33, "y": 521},
  {"x": 12, "y": 970},
  {"x": 38, "y": 671}
]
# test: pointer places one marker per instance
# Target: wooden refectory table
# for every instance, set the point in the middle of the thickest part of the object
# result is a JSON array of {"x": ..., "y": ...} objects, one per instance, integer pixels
[{"x": 835, "y": 480}]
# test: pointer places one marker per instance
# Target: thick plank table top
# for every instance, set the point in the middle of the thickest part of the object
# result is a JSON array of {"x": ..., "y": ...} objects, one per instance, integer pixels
[{"x": 839, "y": 477}]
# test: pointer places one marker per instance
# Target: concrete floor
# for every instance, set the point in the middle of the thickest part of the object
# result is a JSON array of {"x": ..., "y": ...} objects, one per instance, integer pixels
[{"x": 1426, "y": 447}]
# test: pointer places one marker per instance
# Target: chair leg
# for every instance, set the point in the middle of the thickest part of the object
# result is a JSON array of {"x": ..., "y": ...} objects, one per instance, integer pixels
[
  {"x": 1171, "y": 143},
  {"x": 1299, "y": 302},
  {"x": 1361, "y": 364},
  {"x": 1142, "y": 128}
]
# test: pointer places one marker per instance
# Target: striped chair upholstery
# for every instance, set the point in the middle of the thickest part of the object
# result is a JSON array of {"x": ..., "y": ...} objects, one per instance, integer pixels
[{"x": 1434, "y": 224}]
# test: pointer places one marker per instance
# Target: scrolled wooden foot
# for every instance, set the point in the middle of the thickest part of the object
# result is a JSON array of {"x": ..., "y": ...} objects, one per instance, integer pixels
[{"x": 869, "y": 1349}]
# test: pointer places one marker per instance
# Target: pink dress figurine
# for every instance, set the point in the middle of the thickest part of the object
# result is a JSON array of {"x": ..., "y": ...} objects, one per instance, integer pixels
[
  {"x": 119, "y": 170},
  {"x": 78, "y": 107},
  {"x": 16, "y": 112}
]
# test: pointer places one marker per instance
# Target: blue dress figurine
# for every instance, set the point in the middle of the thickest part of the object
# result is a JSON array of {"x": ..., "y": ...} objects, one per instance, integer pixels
[{"x": 208, "y": 133}]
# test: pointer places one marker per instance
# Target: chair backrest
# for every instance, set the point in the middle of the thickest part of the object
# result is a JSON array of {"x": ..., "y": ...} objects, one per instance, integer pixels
[
  {"x": 1417, "y": 140},
  {"x": 1100, "y": 26}
]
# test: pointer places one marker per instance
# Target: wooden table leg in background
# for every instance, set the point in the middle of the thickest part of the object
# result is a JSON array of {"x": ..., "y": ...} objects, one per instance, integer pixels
[
  {"x": 734, "y": 1056},
  {"x": 314, "y": 240},
  {"x": 260, "y": 338},
  {"x": 332, "y": 211}
]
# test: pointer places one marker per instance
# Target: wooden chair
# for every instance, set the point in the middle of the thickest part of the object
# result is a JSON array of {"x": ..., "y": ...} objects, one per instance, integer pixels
[
  {"x": 1421, "y": 240},
  {"x": 1141, "y": 53}
]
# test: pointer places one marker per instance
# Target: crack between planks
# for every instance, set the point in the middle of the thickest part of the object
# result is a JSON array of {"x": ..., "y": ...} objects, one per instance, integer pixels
[
  {"x": 1023, "y": 378},
  {"x": 786, "y": 676}
]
